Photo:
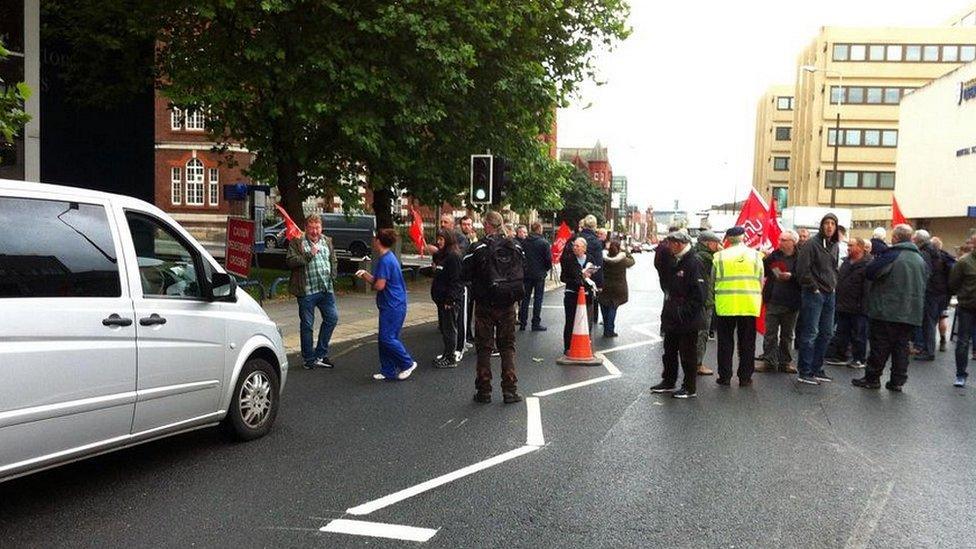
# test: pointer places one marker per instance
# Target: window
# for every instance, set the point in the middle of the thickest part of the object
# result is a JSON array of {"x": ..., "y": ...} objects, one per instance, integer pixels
[
  {"x": 175, "y": 118},
  {"x": 887, "y": 180},
  {"x": 781, "y": 163},
  {"x": 869, "y": 180},
  {"x": 874, "y": 96},
  {"x": 194, "y": 182},
  {"x": 852, "y": 138},
  {"x": 849, "y": 180},
  {"x": 784, "y": 103},
  {"x": 892, "y": 96},
  {"x": 840, "y": 52},
  {"x": 893, "y": 53},
  {"x": 855, "y": 95},
  {"x": 876, "y": 52},
  {"x": 167, "y": 267},
  {"x": 930, "y": 53},
  {"x": 214, "y": 184},
  {"x": 781, "y": 196},
  {"x": 872, "y": 138},
  {"x": 861, "y": 180},
  {"x": 967, "y": 53},
  {"x": 69, "y": 251},
  {"x": 836, "y": 95},
  {"x": 858, "y": 52},
  {"x": 176, "y": 186},
  {"x": 889, "y": 138},
  {"x": 831, "y": 137},
  {"x": 913, "y": 53},
  {"x": 950, "y": 54},
  {"x": 783, "y": 133},
  {"x": 195, "y": 120}
]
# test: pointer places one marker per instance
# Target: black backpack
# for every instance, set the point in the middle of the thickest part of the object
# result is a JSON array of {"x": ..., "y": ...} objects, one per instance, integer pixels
[{"x": 505, "y": 271}]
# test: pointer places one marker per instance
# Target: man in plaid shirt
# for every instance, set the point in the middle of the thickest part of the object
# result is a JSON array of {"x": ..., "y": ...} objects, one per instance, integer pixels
[{"x": 313, "y": 265}]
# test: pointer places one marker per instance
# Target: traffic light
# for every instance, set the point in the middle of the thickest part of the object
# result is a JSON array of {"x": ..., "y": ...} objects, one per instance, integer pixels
[
  {"x": 501, "y": 179},
  {"x": 481, "y": 178}
]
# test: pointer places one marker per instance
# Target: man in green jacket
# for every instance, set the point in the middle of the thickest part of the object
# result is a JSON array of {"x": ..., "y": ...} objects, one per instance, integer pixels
[
  {"x": 708, "y": 244},
  {"x": 962, "y": 283},
  {"x": 896, "y": 304},
  {"x": 313, "y": 265}
]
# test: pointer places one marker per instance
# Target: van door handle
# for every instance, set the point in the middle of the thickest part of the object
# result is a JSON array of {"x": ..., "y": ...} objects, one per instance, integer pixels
[
  {"x": 152, "y": 320},
  {"x": 116, "y": 320}
]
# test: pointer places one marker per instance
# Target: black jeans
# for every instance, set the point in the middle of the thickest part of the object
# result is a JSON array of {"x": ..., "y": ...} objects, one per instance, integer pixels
[
  {"x": 569, "y": 304},
  {"x": 683, "y": 346},
  {"x": 851, "y": 330},
  {"x": 447, "y": 322},
  {"x": 536, "y": 289},
  {"x": 469, "y": 329},
  {"x": 889, "y": 339},
  {"x": 965, "y": 322},
  {"x": 744, "y": 329},
  {"x": 495, "y": 328}
]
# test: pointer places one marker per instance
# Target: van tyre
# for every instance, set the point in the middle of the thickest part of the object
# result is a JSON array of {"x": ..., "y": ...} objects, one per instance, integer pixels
[
  {"x": 358, "y": 249},
  {"x": 255, "y": 403},
  {"x": 270, "y": 242}
]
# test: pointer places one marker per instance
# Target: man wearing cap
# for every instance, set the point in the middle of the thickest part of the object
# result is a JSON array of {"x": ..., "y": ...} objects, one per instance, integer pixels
[
  {"x": 681, "y": 318},
  {"x": 737, "y": 273},
  {"x": 816, "y": 270},
  {"x": 708, "y": 245}
]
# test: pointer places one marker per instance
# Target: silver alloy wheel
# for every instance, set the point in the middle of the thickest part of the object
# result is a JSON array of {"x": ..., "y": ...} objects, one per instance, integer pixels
[{"x": 255, "y": 399}]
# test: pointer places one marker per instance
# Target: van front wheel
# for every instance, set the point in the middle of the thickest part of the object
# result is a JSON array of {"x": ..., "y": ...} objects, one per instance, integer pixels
[{"x": 255, "y": 403}]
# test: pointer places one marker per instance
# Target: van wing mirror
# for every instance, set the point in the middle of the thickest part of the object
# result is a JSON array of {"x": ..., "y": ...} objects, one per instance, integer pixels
[{"x": 222, "y": 287}]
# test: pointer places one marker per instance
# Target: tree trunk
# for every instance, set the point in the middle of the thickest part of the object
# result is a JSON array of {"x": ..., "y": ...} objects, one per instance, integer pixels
[
  {"x": 291, "y": 198},
  {"x": 383, "y": 208}
]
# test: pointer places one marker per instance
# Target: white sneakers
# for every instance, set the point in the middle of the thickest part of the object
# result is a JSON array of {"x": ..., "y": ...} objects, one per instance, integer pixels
[{"x": 406, "y": 373}]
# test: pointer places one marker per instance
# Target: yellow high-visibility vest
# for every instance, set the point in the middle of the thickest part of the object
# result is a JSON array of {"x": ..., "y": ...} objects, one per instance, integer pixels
[{"x": 738, "y": 272}]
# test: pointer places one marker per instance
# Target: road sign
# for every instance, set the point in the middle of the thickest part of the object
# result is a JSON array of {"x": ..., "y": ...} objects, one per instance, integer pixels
[{"x": 240, "y": 246}]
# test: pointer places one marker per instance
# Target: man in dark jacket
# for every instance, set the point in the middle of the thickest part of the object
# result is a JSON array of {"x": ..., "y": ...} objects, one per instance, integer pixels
[
  {"x": 936, "y": 295},
  {"x": 538, "y": 262},
  {"x": 816, "y": 270},
  {"x": 781, "y": 294},
  {"x": 895, "y": 309},
  {"x": 708, "y": 244},
  {"x": 576, "y": 273},
  {"x": 878, "y": 244},
  {"x": 664, "y": 260},
  {"x": 594, "y": 248},
  {"x": 962, "y": 283},
  {"x": 852, "y": 305},
  {"x": 681, "y": 318}
]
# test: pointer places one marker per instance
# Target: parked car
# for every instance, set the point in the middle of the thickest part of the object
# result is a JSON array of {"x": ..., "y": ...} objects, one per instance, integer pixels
[
  {"x": 116, "y": 328},
  {"x": 271, "y": 234},
  {"x": 352, "y": 235}
]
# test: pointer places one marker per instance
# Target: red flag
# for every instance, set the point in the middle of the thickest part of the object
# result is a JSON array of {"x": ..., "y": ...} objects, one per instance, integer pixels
[
  {"x": 753, "y": 219},
  {"x": 770, "y": 239},
  {"x": 417, "y": 231},
  {"x": 291, "y": 229},
  {"x": 896, "y": 217},
  {"x": 562, "y": 237}
]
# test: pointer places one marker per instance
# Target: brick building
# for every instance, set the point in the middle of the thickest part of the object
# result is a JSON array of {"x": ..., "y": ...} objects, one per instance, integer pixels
[{"x": 594, "y": 160}]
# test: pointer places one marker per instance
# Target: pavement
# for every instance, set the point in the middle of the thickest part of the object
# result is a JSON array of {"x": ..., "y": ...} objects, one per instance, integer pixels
[{"x": 592, "y": 459}]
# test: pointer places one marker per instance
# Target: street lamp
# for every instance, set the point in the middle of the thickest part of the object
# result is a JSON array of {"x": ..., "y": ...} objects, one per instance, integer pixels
[{"x": 837, "y": 137}]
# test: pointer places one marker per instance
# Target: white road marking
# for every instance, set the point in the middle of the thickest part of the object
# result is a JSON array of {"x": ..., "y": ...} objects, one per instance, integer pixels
[
  {"x": 867, "y": 523},
  {"x": 463, "y": 421},
  {"x": 575, "y": 385},
  {"x": 608, "y": 364},
  {"x": 630, "y": 345},
  {"x": 378, "y": 530},
  {"x": 446, "y": 424},
  {"x": 533, "y": 429},
  {"x": 647, "y": 330},
  {"x": 407, "y": 493}
]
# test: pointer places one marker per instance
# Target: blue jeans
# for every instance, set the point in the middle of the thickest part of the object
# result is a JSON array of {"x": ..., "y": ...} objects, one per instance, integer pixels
[
  {"x": 852, "y": 330},
  {"x": 609, "y": 311},
  {"x": 817, "y": 310},
  {"x": 394, "y": 357},
  {"x": 536, "y": 288},
  {"x": 925, "y": 335},
  {"x": 965, "y": 332},
  {"x": 325, "y": 303}
]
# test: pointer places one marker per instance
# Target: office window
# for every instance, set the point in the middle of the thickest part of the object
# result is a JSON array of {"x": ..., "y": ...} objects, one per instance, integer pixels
[
  {"x": 195, "y": 120},
  {"x": 869, "y": 180},
  {"x": 967, "y": 53},
  {"x": 887, "y": 180},
  {"x": 855, "y": 95},
  {"x": 836, "y": 95},
  {"x": 913, "y": 53},
  {"x": 950, "y": 54},
  {"x": 876, "y": 52},
  {"x": 872, "y": 138},
  {"x": 781, "y": 163},
  {"x": 889, "y": 138},
  {"x": 781, "y": 196},
  {"x": 784, "y": 103},
  {"x": 874, "y": 96},
  {"x": 840, "y": 52},
  {"x": 831, "y": 137},
  {"x": 892, "y": 96},
  {"x": 858, "y": 52},
  {"x": 849, "y": 180},
  {"x": 830, "y": 179},
  {"x": 930, "y": 53},
  {"x": 893, "y": 53},
  {"x": 783, "y": 133},
  {"x": 194, "y": 182},
  {"x": 213, "y": 182},
  {"x": 175, "y": 119},
  {"x": 176, "y": 186},
  {"x": 852, "y": 138}
]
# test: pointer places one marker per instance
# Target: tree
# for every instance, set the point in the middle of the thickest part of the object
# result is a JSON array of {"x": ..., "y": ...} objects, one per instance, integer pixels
[
  {"x": 12, "y": 114},
  {"x": 582, "y": 198}
]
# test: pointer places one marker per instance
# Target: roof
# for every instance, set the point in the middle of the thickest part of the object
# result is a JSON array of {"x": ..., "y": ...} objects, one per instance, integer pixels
[{"x": 596, "y": 153}]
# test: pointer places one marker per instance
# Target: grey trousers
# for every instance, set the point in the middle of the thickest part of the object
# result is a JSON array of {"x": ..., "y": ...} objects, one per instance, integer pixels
[
  {"x": 703, "y": 334},
  {"x": 778, "y": 339}
]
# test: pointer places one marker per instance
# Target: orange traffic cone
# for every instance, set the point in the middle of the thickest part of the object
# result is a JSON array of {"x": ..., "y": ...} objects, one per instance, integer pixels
[{"x": 580, "y": 350}]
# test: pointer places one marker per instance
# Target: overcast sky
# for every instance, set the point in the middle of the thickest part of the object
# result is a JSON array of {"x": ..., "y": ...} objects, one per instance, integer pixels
[{"x": 678, "y": 109}]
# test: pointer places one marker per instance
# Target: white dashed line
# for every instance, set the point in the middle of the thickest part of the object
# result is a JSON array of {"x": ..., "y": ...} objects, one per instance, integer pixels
[{"x": 378, "y": 530}]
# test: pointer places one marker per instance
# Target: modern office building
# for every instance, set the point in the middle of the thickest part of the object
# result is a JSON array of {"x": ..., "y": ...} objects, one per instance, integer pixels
[
  {"x": 965, "y": 18},
  {"x": 774, "y": 134},
  {"x": 862, "y": 73}
]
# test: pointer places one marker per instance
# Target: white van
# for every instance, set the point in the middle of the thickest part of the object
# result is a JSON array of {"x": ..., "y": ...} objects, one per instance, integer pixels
[{"x": 116, "y": 328}]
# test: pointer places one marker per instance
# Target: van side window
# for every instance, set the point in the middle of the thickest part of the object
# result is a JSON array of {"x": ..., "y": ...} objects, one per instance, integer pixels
[
  {"x": 52, "y": 248},
  {"x": 167, "y": 267}
]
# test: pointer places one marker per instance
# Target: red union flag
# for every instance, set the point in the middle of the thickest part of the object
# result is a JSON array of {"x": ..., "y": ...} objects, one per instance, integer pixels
[
  {"x": 416, "y": 231},
  {"x": 562, "y": 237},
  {"x": 759, "y": 223}
]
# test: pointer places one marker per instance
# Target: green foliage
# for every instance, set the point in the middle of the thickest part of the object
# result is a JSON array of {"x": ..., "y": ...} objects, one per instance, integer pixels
[
  {"x": 582, "y": 198},
  {"x": 12, "y": 98}
]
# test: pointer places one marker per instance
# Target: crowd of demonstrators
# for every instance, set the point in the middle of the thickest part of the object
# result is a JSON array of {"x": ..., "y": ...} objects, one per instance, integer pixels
[
  {"x": 781, "y": 295},
  {"x": 737, "y": 272},
  {"x": 816, "y": 269},
  {"x": 447, "y": 292},
  {"x": 391, "y": 300},
  {"x": 852, "y": 296},
  {"x": 576, "y": 272},
  {"x": 708, "y": 245},
  {"x": 614, "y": 292},
  {"x": 962, "y": 283},
  {"x": 538, "y": 263},
  {"x": 313, "y": 265},
  {"x": 682, "y": 318}
]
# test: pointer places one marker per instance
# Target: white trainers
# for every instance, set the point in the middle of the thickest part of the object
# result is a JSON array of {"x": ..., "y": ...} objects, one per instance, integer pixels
[
  {"x": 379, "y": 377},
  {"x": 406, "y": 373},
  {"x": 458, "y": 355}
]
